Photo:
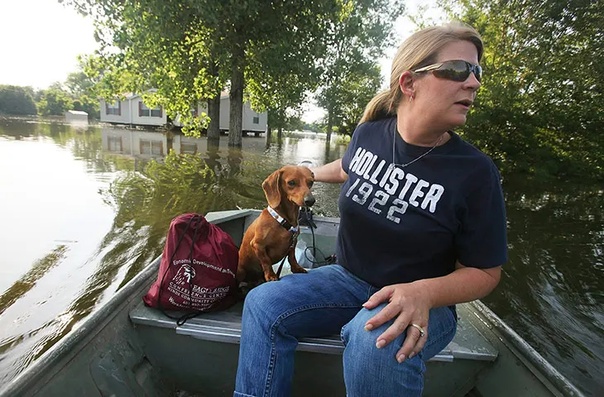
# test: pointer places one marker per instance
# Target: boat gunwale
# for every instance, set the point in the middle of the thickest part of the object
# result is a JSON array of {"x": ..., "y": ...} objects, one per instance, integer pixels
[
  {"x": 88, "y": 328},
  {"x": 534, "y": 361}
]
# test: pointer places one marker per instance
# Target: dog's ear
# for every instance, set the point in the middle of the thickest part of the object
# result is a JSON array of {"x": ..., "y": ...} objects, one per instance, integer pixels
[{"x": 271, "y": 188}]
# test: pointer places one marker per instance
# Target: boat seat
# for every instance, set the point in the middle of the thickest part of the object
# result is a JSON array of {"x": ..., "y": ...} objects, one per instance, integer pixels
[{"x": 225, "y": 326}]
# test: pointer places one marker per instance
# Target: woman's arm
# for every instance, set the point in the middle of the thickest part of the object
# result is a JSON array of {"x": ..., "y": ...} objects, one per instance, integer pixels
[
  {"x": 330, "y": 172},
  {"x": 463, "y": 285}
]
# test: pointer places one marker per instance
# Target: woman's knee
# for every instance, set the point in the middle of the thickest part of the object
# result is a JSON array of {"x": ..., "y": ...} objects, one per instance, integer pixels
[
  {"x": 361, "y": 344},
  {"x": 369, "y": 371},
  {"x": 364, "y": 341}
]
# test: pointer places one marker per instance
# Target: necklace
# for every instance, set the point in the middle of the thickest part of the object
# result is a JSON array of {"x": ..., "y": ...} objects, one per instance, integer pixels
[{"x": 415, "y": 159}]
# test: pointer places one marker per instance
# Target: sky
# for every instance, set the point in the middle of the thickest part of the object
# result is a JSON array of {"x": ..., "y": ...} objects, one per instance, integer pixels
[{"x": 41, "y": 39}]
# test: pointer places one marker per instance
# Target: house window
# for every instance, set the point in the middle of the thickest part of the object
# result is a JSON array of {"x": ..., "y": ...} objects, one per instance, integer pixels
[
  {"x": 114, "y": 144},
  {"x": 114, "y": 109},
  {"x": 153, "y": 148},
  {"x": 144, "y": 111},
  {"x": 256, "y": 120},
  {"x": 190, "y": 148}
]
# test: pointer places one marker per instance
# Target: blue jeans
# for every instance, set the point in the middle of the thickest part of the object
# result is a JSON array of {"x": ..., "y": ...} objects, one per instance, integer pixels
[{"x": 327, "y": 301}]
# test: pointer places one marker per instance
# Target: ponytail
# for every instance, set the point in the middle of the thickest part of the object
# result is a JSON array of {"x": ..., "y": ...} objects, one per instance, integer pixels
[{"x": 380, "y": 107}]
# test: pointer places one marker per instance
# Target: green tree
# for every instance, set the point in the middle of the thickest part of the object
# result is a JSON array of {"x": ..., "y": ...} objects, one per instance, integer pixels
[
  {"x": 54, "y": 101},
  {"x": 191, "y": 50},
  {"x": 82, "y": 89},
  {"x": 539, "y": 110},
  {"x": 17, "y": 100},
  {"x": 355, "y": 42},
  {"x": 188, "y": 50},
  {"x": 347, "y": 98}
]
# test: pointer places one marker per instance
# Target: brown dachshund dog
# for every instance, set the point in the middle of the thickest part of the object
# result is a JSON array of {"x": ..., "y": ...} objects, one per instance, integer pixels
[{"x": 273, "y": 236}]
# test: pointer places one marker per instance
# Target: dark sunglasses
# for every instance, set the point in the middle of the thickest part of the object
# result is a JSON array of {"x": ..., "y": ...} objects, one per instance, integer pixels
[{"x": 456, "y": 70}]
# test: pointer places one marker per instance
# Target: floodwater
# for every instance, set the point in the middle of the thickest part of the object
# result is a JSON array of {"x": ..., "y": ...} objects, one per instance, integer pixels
[{"x": 83, "y": 209}]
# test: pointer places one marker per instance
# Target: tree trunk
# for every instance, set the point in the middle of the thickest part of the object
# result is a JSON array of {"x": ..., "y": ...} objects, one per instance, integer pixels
[
  {"x": 214, "y": 113},
  {"x": 329, "y": 125},
  {"x": 281, "y": 122},
  {"x": 270, "y": 113},
  {"x": 269, "y": 132},
  {"x": 236, "y": 97}
]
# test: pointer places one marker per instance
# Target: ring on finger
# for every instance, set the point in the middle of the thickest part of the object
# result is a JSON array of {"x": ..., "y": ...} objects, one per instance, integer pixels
[{"x": 420, "y": 329}]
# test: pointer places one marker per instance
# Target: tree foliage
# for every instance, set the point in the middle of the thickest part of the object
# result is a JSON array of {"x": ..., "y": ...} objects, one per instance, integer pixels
[
  {"x": 54, "y": 101},
  {"x": 272, "y": 52},
  {"x": 346, "y": 99},
  {"x": 188, "y": 50},
  {"x": 540, "y": 107},
  {"x": 17, "y": 100},
  {"x": 82, "y": 89},
  {"x": 350, "y": 75}
]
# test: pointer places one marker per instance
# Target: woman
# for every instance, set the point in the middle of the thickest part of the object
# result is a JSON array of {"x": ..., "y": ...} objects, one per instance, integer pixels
[{"x": 422, "y": 228}]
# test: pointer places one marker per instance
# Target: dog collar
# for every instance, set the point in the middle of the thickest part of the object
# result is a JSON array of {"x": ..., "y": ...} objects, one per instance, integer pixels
[{"x": 282, "y": 222}]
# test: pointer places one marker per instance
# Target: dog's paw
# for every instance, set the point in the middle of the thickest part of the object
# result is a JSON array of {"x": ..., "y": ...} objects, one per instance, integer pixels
[
  {"x": 299, "y": 269},
  {"x": 271, "y": 277}
]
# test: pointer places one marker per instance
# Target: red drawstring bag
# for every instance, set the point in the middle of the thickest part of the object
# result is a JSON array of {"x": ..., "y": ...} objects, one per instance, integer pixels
[{"x": 197, "y": 269}]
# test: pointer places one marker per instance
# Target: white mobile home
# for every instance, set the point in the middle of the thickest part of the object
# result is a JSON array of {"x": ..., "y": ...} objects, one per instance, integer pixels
[
  {"x": 132, "y": 111},
  {"x": 252, "y": 122}
]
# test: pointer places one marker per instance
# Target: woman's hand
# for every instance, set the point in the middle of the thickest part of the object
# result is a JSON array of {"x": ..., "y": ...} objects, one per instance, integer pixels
[
  {"x": 407, "y": 304},
  {"x": 330, "y": 173}
]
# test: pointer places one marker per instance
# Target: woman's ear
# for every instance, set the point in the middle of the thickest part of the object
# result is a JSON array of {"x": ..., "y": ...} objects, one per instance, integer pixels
[{"x": 406, "y": 84}]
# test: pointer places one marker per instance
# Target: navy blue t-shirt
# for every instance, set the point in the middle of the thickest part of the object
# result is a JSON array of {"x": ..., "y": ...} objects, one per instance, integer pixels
[{"x": 403, "y": 224}]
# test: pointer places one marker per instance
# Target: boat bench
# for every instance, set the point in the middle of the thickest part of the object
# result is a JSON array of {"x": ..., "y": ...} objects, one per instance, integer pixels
[{"x": 225, "y": 326}]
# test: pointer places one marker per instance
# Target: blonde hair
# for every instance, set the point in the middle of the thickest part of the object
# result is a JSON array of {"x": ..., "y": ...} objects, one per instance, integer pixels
[{"x": 420, "y": 49}]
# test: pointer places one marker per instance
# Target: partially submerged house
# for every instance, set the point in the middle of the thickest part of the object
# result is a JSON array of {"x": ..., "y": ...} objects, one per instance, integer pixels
[
  {"x": 133, "y": 111},
  {"x": 252, "y": 122}
]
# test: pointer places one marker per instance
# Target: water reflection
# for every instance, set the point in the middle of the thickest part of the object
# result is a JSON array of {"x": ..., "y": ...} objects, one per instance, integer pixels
[
  {"x": 552, "y": 288},
  {"x": 28, "y": 281},
  {"x": 49, "y": 177}
]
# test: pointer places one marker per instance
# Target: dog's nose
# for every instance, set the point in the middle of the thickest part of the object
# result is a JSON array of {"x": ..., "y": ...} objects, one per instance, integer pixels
[{"x": 309, "y": 200}]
